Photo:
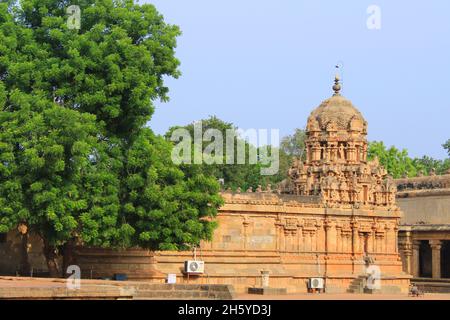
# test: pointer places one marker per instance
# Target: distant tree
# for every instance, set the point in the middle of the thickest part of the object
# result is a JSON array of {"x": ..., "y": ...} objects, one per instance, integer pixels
[
  {"x": 294, "y": 145},
  {"x": 446, "y": 146},
  {"x": 426, "y": 164},
  {"x": 397, "y": 162},
  {"x": 234, "y": 175},
  {"x": 291, "y": 146},
  {"x": 244, "y": 175}
]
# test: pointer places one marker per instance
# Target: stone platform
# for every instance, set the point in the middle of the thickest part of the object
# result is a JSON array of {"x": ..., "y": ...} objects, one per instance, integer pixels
[
  {"x": 432, "y": 285},
  {"x": 20, "y": 288}
]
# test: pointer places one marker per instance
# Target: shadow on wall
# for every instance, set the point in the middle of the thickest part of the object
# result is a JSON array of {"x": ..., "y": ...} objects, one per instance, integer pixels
[{"x": 10, "y": 255}]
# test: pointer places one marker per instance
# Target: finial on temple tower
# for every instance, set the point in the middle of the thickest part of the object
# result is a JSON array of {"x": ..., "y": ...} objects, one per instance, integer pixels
[{"x": 337, "y": 85}]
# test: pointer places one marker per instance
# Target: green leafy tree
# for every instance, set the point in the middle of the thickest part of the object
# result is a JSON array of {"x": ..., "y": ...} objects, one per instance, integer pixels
[
  {"x": 76, "y": 162},
  {"x": 427, "y": 164},
  {"x": 248, "y": 174},
  {"x": 397, "y": 162},
  {"x": 294, "y": 145},
  {"x": 168, "y": 210},
  {"x": 53, "y": 168},
  {"x": 446, "y": 146},
  {"x": 234, "y": 175},
  {"x": 291, "y": 146}
]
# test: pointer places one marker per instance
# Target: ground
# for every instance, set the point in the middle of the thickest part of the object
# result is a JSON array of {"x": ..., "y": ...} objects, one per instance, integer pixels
[
  {"x": 345, "y": 296},
  {"x": 40, "y": 288}
]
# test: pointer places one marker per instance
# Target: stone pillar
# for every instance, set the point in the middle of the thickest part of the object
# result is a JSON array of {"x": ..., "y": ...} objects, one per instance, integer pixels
[
  {"x": 395, "y": 242},
  {"x": 355, "y": 239},
  {"x": 344, "y": 242},
  {"x": 300, "y": 239},
  {"x": 320, "y": 238},
  {"x": 264, "y": 278},
  {"x": 387, "y": 240},
  {"x": 370, "y": 242},
  {"x": 408, "y": 254},
  {"x": 379, "y": 242},
  {"x": 287, "y": 241},
  {"x": 361, "y": 242},
  {"x": 415, "y": 259},
  {"x": 279, "y": 230},
  {"x": 436, "y": 258},
  {"x": 308, "y": 242},
  {"x": 314, "y": 241},
  {"x": 245, "y": 224},
  {"x": 330, "y": 236},
  {"x": 338, "y": 238}
]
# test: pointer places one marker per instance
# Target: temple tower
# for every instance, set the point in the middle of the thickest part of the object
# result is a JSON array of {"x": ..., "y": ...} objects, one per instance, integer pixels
[{"x": 336, "y": 165}]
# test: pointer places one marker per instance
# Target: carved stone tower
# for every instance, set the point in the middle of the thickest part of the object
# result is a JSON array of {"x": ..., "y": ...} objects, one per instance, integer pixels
[{"x": 336, "y": 166}]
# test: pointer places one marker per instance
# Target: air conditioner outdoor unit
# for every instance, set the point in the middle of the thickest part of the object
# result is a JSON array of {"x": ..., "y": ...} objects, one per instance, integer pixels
[
  {"x": 194, "y": 266},
  {"x": 316, "y": 283}
]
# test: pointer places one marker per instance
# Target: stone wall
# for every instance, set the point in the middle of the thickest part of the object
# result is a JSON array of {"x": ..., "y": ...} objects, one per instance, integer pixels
[
  {"x": 425, "y": 207},
  {"x": 293, "y": 240},
  {"x": 293, "y": 237}
]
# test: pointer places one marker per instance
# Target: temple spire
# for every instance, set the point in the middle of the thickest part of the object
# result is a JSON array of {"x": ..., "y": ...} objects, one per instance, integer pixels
[{"x": 336, "y": 86}]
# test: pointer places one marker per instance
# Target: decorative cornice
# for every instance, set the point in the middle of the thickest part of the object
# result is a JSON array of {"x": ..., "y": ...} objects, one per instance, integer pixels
[{"x": 425, "y": 183}]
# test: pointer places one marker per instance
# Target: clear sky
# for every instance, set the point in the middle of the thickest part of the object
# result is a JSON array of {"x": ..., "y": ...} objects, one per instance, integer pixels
[{"x": 266, "y": 64}]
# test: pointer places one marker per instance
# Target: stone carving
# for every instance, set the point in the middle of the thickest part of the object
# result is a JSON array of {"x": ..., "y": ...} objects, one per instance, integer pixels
[
  {"x": 425, "y": 183},
  {"x": 336, "y": 166}
]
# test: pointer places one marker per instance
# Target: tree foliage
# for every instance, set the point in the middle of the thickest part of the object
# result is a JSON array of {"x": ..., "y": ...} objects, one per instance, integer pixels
[
  {"x": 398, "y": 163},
  {"x": 294, "y": 145},
  {"x": 76, "y": 161},
  {"x": 234, "y": 175},
  {"x": 446, "y": 146},
  {"x": 291, "y": 146},
  {"x": 426, "y": 165},
  {"x": 248, "y": 174}
]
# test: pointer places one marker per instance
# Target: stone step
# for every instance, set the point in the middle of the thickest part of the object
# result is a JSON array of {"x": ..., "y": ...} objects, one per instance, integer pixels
[
  {"x": 354, "y": 287},
  {"x": 354, "y": 291},
  {"x": 176, "y": 294}
]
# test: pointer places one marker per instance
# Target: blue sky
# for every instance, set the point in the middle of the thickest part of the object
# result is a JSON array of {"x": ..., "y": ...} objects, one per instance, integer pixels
[{"x": 267, "y": 64}]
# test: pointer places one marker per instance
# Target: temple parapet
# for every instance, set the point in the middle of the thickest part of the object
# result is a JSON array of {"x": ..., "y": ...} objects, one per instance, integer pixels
[
  {"x": 424, "y": 184},
  {"x": 270, "y": 198}
]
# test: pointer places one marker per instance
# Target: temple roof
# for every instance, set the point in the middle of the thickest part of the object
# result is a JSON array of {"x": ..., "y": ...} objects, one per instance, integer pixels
[
  {"x": 336, "y": 167},
  {"x": 336, "y": 109}
]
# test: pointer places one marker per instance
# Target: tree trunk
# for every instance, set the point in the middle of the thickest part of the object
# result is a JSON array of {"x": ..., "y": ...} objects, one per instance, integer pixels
[
  {"x": 51, "y": 256},
  {"x": 25, "y": 267},
  {"x": 68, "y": 257}
]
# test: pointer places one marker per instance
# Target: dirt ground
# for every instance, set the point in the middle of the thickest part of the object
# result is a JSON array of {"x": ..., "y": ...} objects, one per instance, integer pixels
[
  {"x": 12, "y": 282},
  {"x": 344, "y": 296}
]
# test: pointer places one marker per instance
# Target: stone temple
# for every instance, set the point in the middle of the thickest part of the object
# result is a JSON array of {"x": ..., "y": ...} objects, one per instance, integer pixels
[{"x": 335, "y": 216}]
